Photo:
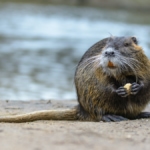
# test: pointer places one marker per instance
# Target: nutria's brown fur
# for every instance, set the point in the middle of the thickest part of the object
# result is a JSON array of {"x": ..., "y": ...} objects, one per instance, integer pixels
[
  {"x": 99, "y": 79},
  {"x": 99, "y": 87}
]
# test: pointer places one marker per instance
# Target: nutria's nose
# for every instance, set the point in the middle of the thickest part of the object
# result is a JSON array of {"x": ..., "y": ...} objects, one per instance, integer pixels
[{"x": 110, "y": 53}]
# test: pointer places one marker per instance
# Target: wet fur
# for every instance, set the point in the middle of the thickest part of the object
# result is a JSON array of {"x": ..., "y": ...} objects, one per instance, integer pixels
[{"x": 96, "y": 83}]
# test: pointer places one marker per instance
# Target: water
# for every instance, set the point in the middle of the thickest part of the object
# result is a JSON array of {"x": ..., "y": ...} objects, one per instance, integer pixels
[{"x": 40, "y": 45}]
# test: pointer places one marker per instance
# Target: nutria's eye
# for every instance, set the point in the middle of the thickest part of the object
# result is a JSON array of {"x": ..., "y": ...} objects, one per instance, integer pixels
[
  {"x": 134, "y": 39},
  {"x": 126, "y": 44}
]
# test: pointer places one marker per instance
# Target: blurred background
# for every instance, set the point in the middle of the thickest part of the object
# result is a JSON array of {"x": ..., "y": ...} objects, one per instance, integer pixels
[{"x": 41, "y": 41}]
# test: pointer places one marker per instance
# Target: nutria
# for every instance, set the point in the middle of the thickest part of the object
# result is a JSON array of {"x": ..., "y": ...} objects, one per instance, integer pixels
[
  {"x": 101, "y": 75},
  {"x": 112, "y": 83}
]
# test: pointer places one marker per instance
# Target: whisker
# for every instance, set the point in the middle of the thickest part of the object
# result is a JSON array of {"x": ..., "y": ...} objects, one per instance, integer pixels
[
  {"x": 131, "y": 67},
  {"x": 90, "y": 61}
]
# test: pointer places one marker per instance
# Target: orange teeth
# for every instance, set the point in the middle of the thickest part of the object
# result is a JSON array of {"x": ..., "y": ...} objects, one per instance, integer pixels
[{"x": 110, "y": 64}]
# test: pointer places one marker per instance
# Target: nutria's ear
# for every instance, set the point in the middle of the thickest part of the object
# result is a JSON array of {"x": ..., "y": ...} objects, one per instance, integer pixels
[{"x": 134, "y": 39}]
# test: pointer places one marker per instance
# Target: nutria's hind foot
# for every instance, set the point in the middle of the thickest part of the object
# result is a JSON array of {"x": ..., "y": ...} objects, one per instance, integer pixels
[
  {"x": 143, "y": 115},
  {"x": 114, "y": 118}
]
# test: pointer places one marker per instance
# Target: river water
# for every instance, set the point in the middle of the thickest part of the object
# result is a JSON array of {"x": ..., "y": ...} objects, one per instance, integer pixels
[{"x": 40, "y": 45}]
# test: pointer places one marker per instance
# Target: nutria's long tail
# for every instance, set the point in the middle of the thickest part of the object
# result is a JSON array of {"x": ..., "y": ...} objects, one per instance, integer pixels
[{"x": 67, "y": 114}]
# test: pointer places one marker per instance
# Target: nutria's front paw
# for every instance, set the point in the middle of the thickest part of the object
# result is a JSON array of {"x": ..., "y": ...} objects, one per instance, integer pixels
[
  {"x": 135, "y": 88},
  {"x": 121, "y": 91}
]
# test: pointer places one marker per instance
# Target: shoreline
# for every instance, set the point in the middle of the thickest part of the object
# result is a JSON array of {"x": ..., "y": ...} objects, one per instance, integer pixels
[
  {"x": 66, "y": 135},
  {"x": 132, "y": 5}
]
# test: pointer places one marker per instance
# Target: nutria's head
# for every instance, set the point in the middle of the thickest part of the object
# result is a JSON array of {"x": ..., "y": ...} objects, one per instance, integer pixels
[
  {"x": 121, "y": 56},
  {"x": 116, "y": 57}
]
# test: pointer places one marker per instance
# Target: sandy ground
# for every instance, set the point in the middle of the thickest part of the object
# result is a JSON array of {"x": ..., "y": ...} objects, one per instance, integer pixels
[{"x": 69, "y": 135}]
